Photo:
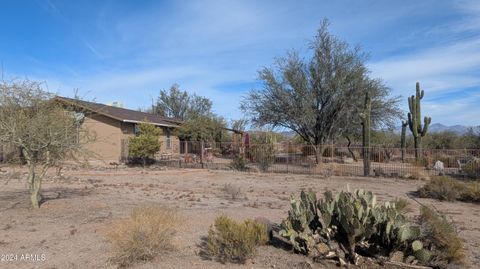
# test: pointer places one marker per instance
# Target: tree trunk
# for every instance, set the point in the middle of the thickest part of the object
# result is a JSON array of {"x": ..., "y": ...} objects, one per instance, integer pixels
[
  {"x": 349, "y": 149},
  {"x": 318, "y": 153}
]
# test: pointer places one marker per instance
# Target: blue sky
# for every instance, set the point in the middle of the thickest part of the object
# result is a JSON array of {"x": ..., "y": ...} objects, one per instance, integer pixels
[{"x": 128, "y": 50}]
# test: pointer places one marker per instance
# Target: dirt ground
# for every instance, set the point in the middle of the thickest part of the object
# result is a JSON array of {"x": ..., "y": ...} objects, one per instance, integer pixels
[{"x": 68, "y": 231}]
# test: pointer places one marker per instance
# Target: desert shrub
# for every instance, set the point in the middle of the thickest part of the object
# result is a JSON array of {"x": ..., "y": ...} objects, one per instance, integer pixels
[
  {"x": 471, "y": 193},
  {"x": 146, "y": 234},
  {"x": 230, "y": 241},
  {"x": 265, "y": 156},
  {"x": 442, "y": 188},
  {"x": 239, "y": 163},
  {"x": 232, "y": 191},
  {"x": 401, "y": 204},
  {"x": 450, "y": 189},
  {"x": 441, "y": 238},
  {"x": 472, "y": 168},
  {"x": 146, "y": 144}
]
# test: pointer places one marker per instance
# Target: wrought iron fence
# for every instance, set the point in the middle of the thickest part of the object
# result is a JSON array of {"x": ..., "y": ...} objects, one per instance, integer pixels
[{"x": 332, "y": 160}]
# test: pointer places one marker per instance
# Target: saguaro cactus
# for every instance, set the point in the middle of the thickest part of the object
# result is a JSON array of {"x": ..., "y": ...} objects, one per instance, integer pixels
[
  {"x": 415, "y": 121},
  {"x": 366, "y": 134},
  {"x": 404, "y": 139}
]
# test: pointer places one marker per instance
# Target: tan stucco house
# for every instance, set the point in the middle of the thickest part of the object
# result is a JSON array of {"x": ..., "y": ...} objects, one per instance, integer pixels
[{"x": 112, "y": 126}]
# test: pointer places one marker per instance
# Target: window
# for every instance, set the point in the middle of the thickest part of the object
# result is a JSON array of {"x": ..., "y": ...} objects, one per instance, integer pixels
[{"x": 168, "y": 142}]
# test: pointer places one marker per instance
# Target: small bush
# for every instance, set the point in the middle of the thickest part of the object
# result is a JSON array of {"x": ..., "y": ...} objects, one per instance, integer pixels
[
  {"x": 449, "y": 189},
  {"x": 229, "y": 241},
  {"x": 444, "y": 240},
  {"x": 401, "y": 204},
  {"x": 471, "y": 193},
  {"x": 239, "y": 163},
  {"x": 232, "y": 191},
  {"x": 147, "y": 233},
  {"x": 442, "y": 188},
  {"x": 472, "y": 168}
]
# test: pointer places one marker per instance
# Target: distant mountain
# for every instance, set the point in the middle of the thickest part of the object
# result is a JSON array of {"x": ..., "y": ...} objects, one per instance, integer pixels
[{"x": 458, "y": 129}]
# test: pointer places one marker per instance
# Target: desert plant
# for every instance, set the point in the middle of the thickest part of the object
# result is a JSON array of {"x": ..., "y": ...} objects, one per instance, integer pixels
[
  {"x": 415, "y": 120},
  {"x": 265, "y": 153},
  {"x": 471, "y": 193},
  {"x": 348, "y": 218},
  {"x": 472, "y": 168},
  {"x": 442, "y": 188},
  {"x": 401, "y": 204},
  {"x": 146, "y": 144},
  {"x": 230, "y": 241},
  {"x": 239, "y": 163},
  {"x": 146, "y": 234},
  {"x": 441, "y": 238},
  {"x": 44, "y": 131},
  {"x": 450, "y": 189},
  {"x": 232, "y": 191}
]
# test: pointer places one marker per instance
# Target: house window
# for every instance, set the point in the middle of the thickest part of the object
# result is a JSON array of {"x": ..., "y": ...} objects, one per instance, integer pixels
[{"x": 168, "y": 142}]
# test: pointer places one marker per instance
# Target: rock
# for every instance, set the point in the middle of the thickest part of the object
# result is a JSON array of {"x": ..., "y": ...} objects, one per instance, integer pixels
[
  {"x": 409, "y": 259},
  {"x": 331, "y": 255},
  {"x": 438, "y": 166},
  {"x": 397, "y": 256},
  {"x": 322, "y": 248},
  {"x": 348, "y": 160}
]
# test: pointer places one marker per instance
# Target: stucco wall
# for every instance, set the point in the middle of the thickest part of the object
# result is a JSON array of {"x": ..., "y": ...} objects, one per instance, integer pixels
[{"x": 108, "y": 134}]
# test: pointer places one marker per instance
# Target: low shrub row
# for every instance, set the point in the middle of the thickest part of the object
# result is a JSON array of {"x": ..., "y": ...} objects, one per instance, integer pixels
[{"x": 446, "y": 188}]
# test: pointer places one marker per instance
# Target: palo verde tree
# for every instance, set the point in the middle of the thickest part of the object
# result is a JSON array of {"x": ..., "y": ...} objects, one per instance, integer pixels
[
  {"x": 415, "y": 120},
  {"x": 42, "y": 129},
  {"x": 203, "y": 128},
  {"x": 177, "y": 103},
  {"x": 146, "y": 144},
  {"x": 320, "y": 99}
]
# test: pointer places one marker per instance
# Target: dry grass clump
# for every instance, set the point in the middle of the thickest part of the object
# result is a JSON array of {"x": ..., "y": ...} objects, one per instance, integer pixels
[
  {"x": 445, "y": 244},
  {"x": 230, "y": 241},
  {"x": 442, "y": 188},
  {"x": 401, "y": 204},
  {"x": 449, "y": 189},
  {"x": 147, "y": 233},
  {"x": 233, "y": 192}
]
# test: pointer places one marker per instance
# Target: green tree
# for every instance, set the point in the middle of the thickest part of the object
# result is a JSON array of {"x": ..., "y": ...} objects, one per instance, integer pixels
[
  {"x": 320, "y": 99},
  {"x": 146, "y": 144},
  {"x": 45, "y": 132},
  {"x": 179, "y": 104},
  {"x": 206, "y": 128}
]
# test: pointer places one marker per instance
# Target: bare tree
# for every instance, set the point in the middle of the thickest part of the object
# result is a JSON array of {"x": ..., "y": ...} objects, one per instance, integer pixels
[
  {"x": 42, "y": 129},
  {"x": 316, "y": 98}
]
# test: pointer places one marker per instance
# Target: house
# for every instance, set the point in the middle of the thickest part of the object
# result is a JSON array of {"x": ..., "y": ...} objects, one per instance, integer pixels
[{"x": 112, "y": 127}]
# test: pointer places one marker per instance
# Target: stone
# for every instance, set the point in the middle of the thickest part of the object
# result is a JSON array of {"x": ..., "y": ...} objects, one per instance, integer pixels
[
  {"x": 322, "y": 248},
  {"x": 438, "y": 166},
  {"x": 348, "y": 160},
  {"x": 397, "y": 256},
  {"x": 409, "y": 259}
]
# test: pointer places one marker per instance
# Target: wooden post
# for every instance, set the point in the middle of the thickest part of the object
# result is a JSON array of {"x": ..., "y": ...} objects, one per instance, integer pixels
[{"x": 202, "y": 151}]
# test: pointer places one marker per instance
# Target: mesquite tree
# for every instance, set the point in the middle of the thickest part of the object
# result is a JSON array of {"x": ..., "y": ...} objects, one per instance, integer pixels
[
  {"x": 415, "y": 120},
  {"x": 42, "y": 129},
  {"x": 319, "y": 98}
]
